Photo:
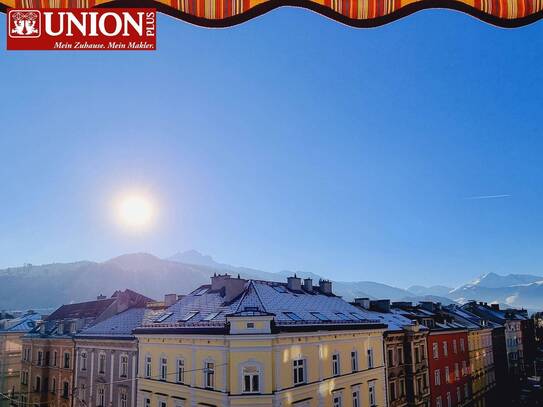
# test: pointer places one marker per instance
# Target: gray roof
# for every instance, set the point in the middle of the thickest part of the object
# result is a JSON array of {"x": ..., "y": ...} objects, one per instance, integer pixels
[
  {"x": 22, "y": 324},
  {"x": 262, "y": 298},
  {"x": 120, "y": 325}
]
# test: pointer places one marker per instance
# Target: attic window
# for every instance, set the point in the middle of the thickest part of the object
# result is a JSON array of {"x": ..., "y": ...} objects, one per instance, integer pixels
[
  {"x": 279, "y": 289},
  {"x": 253, "y": 309},
  {"x": 211, "y": 316},
  {"x": 188, "y": 316},
  {"x": 320, "y": 316},
  {"x": 163, "y": 317},
  {"x": 293, "y": 316},
  {"x": 201, "y": 291}
]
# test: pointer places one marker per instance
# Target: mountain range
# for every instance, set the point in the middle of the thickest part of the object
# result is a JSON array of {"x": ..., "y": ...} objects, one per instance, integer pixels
[{"x": 50, "y": 285}]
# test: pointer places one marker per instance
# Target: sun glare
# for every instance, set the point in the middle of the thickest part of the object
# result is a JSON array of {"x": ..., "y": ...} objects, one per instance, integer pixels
[{"x": 135, "y": 211}]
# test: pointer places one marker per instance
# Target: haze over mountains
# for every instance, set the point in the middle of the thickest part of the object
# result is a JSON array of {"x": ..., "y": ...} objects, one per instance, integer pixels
[{"x": 54, "y": 284}]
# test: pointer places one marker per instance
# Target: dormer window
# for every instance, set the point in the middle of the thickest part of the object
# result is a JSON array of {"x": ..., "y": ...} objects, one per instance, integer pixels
[{"x": 250, "y": 325}]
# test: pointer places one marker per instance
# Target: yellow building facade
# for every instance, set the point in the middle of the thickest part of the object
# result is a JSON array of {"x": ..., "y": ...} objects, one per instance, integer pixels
[
  {"x": 481, "y": 361},
  {"x": 276, "y": 345}
]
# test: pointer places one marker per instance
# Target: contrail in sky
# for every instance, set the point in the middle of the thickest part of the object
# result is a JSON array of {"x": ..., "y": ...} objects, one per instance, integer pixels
[{"x": 488, "y": 197}]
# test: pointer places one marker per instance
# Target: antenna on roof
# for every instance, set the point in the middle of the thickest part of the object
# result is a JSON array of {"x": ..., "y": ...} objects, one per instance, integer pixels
[{"x": 238, "y": 276}]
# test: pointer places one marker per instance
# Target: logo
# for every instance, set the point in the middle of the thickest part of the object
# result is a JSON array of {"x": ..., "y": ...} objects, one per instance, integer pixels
[
  {"x": 82, "y": 29},
  {"x": 24, "y": 23}
]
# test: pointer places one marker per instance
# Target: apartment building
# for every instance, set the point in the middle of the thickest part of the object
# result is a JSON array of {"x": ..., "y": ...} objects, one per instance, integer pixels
[
  {"x": 238, "y": 342},
  {"x": 405, "y": 353},
  {"x": 107, "y": 359},
  {"x": 11, "y": 333},
  {"x": 448, "y": 354},
  {"x": 48, "y": 356},
  {"x": 481, "y": 355}
]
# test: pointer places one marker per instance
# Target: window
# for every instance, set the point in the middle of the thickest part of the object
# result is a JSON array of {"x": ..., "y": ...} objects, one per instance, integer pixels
[
  {"x": 83, "y": 361},
  {"x": 455, "y": 350},
  {"x": 40, "y": 358},
  {"x": 66, "y": 360},
  {"x": 402, "y": 388},
  {"x": 392, "y": 391},
  {"x": 390, "y": 357},
  {"x": 101, "y": 398},
  {"x": 336, "y": 370},
  {"x": 162, "y": 404},
  {"x": 458, "y": 395},
  {"x": 81, "y": 393},
  {"x": 337, "y": 399},
  {"x": 147, "y": 402},
  {"x": 372, "y": 395},
  {"x": 464, "y": 368},
  {"x": 47, "y": 358},
  {"x": 456, "y": 371},
  {"x": 251, "y": 379},
  {"x": 102, "y": 363},
  {"x": 417, "y": 354},
  {"x": 180, "y": 371},
  {"x": 447, "y": 373},
  {"x": 293, "y": 316},
  {"x": 449, "y": 401},
  {"x": 419, "y": 386},
  {"x": 356, "y": 398},
  {"x": 163, "y": 368},
  {"x": 123, "y": 371},
  {"x": 445, "y": 351},
  {"x": 462, "y": 346},
  {"x": 320, "y": 316},
  {"x": 209, "y": 375},
  {"x": 358, "y": 316},
  {"x": 438, "y": 401},
  {"x": 466, "y": 391},
  {"x": 37, "y": 387},
  {"x": 400, "y": 356},
  {"x": 123, "y": 398},
  {"x": 299, "y": 371},
  {"x": 55, "y": 358},
  {"x": 437, "y": 377},
  {"x": 342, "y": 316},
  {"x": 188, "y": 316},
  {"x": 423, "y": 351},
  {"x": 212, "y": 316},
  {"x": 148, "y": 361},
  {"x": 354, "y": 361},
  {"x": 164, "y": 317},
  {"x": 279, "y": 288},
  {"x": 66, "y": 390},
  {"x": 54, "y": 386},
  {"x": 370, "y": 358},
  {"x": 435, "y": 350}
]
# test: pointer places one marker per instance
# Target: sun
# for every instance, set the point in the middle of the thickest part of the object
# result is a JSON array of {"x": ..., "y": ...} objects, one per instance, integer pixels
[{"x": 136, "y": 211}]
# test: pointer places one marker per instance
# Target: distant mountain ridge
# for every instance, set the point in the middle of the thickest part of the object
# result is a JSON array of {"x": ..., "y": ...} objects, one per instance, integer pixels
[{"x": 54, "y": 284}]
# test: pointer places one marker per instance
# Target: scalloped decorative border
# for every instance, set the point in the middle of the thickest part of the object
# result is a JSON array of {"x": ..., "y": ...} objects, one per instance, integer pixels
[{"x": 270, "y": 5}]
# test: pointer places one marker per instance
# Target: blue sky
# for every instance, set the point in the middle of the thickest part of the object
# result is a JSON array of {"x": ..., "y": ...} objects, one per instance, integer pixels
[{"x": 289, "y": 142}]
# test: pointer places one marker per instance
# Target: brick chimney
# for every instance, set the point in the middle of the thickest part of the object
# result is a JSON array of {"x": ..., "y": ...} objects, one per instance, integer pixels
[
  {"x": 308, "y": 285},
  {"x": 325, "y": 286},
  {"x": 294, "y": 283},
  {"x": 380, "y": 306},
  {"x": 364, "y": 302},
  {"x": 170, "y": 299},
  {"x": 230, "y": 287}
]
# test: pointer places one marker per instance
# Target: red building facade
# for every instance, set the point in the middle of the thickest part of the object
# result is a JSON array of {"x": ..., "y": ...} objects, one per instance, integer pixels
[{"x": 449, "y": 371}]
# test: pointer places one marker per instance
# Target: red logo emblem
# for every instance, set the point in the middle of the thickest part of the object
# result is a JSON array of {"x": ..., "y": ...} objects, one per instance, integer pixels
[{"x": 24, "y": 23}]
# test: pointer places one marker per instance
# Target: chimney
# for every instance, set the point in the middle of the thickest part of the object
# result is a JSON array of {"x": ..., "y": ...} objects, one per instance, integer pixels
[
  {"x": 308, "y": 285},
  {"x": 495, "y": 307},
  {"x": 325, "y": 286},
  {"x": 428, "y": 305},
  {"x": 170, "y": 299},
  {"x": 380, "y": 306},
  {"x": 230, "y": 287},
  {"x": 294, "y": 283},
  {"x": 101, "y": 297},
  {"x": 363, "y": 302}
]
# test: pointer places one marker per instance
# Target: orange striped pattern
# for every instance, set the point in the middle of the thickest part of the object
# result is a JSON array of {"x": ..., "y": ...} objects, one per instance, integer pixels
[{"x": 356, "y": 10}]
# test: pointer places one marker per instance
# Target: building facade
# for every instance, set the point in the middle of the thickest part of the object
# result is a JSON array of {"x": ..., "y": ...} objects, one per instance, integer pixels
[
  {"x": 48, "y": 355},
  {"x": 254, "y": 343}
]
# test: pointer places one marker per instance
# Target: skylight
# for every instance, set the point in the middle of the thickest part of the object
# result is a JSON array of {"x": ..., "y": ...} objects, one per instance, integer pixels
[
  {"x": 188, "y": 316},
  {"x": 342, "y": 316},
  {"x": 293, "y": 316},
  {"x": 320, "y": 316},
  {"x": 163, "y": 317},
  {"x": 211, "y": 316},
  {"x": 279, "y": 288},
  {"x": 201, "y": 291},
  {"x": 357, "y": 316}
]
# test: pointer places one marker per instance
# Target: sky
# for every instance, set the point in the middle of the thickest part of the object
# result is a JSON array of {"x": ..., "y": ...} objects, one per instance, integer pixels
[{"x": 406, "y": 154}]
